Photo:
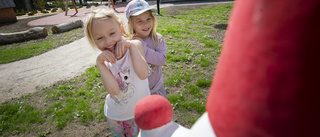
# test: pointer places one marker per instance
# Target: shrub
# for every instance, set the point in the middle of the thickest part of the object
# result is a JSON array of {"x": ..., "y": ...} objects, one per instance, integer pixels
[
  {"x": 22, "y": 12},
  {"x": 40, "y": 4},
  {"x": 43, "y": 11},
  {"x": 61, "y": 5},
  {"x": 32, "y": 13},
  {"x": 54, "y": 10}
]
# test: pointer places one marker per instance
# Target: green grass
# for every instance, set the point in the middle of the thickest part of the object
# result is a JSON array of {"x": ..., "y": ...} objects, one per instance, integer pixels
[
  {"x": 17, "y": 117},
  {"x": 23, "y": 50},
  {"x": 68, "y": 101},
  {"x": 193, "y": 47},
  {"x": 71, "y": 101},
  {"x": 13, "y": 54}
]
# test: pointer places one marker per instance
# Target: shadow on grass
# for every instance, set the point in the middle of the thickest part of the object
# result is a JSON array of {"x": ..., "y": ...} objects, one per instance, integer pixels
[{"x": 221, "y": 26}]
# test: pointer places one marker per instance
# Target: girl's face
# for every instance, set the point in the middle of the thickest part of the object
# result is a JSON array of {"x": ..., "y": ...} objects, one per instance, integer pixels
[
  {"x": 143, "y": 24},
  {"x": 106, "y": 34}
]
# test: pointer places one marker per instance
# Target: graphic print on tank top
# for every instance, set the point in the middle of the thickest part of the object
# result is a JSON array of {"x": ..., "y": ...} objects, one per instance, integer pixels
[{"x": 126, "y": 88}]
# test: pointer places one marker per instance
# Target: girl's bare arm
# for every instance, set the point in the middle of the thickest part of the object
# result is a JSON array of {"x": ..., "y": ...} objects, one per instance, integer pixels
[
  {"x": 108, "y": 80},
  {"x": 138, "y": 60}
]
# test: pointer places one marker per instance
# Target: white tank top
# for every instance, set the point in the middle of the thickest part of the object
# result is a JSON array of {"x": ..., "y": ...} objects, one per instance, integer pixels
[{"x": 132, "y": 88}]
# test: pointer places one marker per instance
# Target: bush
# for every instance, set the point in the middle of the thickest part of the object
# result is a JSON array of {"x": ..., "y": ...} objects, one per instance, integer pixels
[
  {"x": 61, "y": 5},
  {"x": 32, "y": 13},
  {"x": 54, "y": 10},
  {"x": 70, "y": 4},
  {"x": 40, "y": 4},
  {"x": 22, "y": 12},
  {"x": 43, "y": 11}
]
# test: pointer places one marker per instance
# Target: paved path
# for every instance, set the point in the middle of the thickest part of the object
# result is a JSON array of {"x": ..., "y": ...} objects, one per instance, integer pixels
[
  {"x": 82, "y": 13},
  {"x": 68, "y": 61},
  {"x": 25, "y": 76}
]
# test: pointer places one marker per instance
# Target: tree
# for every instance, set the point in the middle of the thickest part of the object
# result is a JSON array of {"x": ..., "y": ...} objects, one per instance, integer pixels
[
  {"x": 40, "y": 4},
  {"x": 60, "y": 4}
]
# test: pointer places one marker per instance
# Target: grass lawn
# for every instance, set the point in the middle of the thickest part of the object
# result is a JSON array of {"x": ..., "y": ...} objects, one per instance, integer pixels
[
  {"x": 23, "y": 50},
  {"x": 194, "y": 39}
]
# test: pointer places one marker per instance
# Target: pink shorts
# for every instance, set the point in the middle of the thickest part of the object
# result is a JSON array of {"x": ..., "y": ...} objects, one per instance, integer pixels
[{"x": 126, "y": 128}]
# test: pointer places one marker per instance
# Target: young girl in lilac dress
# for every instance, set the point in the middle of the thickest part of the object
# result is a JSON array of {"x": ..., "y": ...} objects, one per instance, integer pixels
[{"x": 142, "y": 24}]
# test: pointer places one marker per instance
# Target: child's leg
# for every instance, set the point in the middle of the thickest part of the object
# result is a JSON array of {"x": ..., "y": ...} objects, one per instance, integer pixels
[{"x": 123, "y": 128}]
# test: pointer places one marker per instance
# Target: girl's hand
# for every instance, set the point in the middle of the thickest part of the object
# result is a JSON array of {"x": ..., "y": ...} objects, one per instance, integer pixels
[
  {"x": 106, "y": 56},
  {"x": 121, "y": 48}
]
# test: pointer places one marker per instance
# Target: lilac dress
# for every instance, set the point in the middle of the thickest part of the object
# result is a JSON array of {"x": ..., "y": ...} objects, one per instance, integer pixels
[{"x": 155, "y": 59}]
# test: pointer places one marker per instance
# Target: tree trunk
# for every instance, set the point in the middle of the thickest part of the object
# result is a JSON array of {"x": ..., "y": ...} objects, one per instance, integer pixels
[
  {"x": 33, "y": 33},
  {"x": 67, "y": 26}
]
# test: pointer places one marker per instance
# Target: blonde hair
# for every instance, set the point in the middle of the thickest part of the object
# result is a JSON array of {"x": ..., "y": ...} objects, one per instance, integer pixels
[
  {"x": 153, "y": 33},
  {"x": 101, "y": 14}
]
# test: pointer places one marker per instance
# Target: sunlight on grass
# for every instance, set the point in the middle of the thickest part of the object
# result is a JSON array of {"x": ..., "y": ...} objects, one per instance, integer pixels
[
  {"x": 18, "y": 117},
  {"x": 187, "y": 50},
  {"x": 204, "y": 62},
  {"x": 182, "y": 58},
  {"x": 203, "y": 83},
  {"x": 23, "y": 50},
  {"x": 176, "y": 78},
  {"x": 75, "y": 103},
  {"x": 192, "y": 47},
  {"x": 12, "y": 54}
]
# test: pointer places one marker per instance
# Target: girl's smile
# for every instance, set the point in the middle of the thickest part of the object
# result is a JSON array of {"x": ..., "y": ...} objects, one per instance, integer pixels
[
  {"x": 111, "y": 48},
  {"x": 145, "y": 29},
  {"x": 105, "y": 37},
  {"x": 143, "y": 24}
]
